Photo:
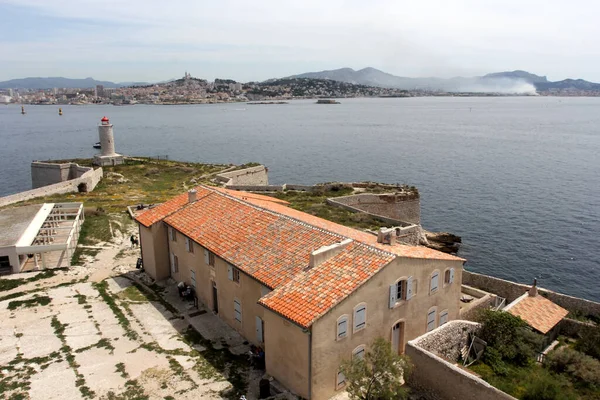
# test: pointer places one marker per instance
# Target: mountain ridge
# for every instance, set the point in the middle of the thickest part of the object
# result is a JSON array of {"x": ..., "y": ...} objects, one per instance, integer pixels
[
  {"x": 61, "y": 82},
  {"x": 517, "y": 81}
]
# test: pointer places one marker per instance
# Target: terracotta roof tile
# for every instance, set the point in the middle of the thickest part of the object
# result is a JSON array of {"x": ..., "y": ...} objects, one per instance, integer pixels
[
  {"x": 365, "y": 237},
  {"x": 272, "y": 242},
  {"x": 314, "y": 292},
  {"x": 539, "y": 312}
]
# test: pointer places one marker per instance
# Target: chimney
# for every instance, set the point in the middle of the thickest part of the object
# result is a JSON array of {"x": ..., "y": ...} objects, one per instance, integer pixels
[
  {"x": 386, "y": 236},
  {"x": 192, "y": 195},
  {"x": 533, "y": 290},
  {"x": 324, "y": 253}
]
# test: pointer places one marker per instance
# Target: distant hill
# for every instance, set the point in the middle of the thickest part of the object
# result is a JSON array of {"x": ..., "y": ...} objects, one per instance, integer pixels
[
  {"x": 59, "y": 82},
  {"x": 502, "y": 82}
]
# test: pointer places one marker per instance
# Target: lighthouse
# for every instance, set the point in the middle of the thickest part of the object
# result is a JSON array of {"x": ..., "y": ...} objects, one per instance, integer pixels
[{"x": 107, "y": 156}]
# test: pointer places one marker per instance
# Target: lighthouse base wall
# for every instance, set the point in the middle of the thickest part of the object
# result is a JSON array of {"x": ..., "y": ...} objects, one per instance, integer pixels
[{"x": 109, "y": 161}]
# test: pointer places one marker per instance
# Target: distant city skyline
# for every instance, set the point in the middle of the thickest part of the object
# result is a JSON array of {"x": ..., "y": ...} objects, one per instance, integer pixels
[{"x": 147, "y": 40}]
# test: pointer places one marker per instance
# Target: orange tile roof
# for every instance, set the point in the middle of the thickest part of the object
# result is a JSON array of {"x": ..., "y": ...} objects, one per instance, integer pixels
[
  {"x": 270, "y": 247},
  {"x": 314, "y": 292},
  {"x": 402, "y": 250},
  {"x": 158, "y": 213},
  {"x": 539, "y": 312},
  {"x": 272, "y": 242}
]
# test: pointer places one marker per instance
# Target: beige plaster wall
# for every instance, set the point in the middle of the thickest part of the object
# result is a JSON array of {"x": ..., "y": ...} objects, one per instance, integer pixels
[
  {"x": 153, "y": 242},
  {"x": 287, "y": 353},
  {"x": 328, "y": 352}
]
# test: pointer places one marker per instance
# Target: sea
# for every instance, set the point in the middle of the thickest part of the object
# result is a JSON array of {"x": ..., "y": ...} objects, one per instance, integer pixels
[{"x": 518, "y": 178}]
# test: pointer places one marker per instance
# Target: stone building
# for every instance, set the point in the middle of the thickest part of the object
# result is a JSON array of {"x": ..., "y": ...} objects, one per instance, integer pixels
[{"x": 310, "y": 292}]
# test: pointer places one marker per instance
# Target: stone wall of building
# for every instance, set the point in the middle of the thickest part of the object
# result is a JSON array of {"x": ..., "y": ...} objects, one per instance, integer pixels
[
  {"x": 253, "y": 176},
  {"x": 574, "y": 328},
  {"x": 511, "y": 290},
  {"x": 439, "y": 379},
  {"x": 402, "y": 207},
  {"x": 88, "y": 182}
]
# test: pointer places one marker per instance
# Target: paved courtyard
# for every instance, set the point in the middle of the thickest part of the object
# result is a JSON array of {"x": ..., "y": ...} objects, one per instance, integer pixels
[{"x": 104, "y": 331}]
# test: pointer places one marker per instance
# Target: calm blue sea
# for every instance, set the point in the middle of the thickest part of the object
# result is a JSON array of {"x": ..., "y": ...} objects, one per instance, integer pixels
[{"x": 518, "y": 177}]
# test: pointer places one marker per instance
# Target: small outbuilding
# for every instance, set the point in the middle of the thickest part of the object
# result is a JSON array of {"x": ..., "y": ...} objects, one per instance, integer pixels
[
  {"x": 39, "y": 236},
  {"x": 539, "y": 312}
]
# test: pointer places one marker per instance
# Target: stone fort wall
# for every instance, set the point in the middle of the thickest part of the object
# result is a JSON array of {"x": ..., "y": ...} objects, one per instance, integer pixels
[
  {"x": 439, "y": 379},
  {"x": 399, "y": 207},
  {"x": 87, "y": 176},
  {"x": 253, "y": 176},
  {"x": 46, "y": 173},
  {"x": 511, "y": 290}
]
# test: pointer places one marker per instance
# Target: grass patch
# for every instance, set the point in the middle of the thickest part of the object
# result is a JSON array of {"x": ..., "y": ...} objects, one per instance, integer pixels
[
  {"x": 133, "y": 391},
  {"x": 33, "y": 302},
  {"x": 315, "y": 203},
  {"x": 102, "y": 288},
  {"x": 213, "y": 362},
  {"x": 134, "y": 294},
  {"x": 120, "y": 368},
  {"x": 102, "y": 343},
  {"x": 59, "y": 331},
  {"x": 9, "y": 284},
  {"x": 148, "y": 181}
]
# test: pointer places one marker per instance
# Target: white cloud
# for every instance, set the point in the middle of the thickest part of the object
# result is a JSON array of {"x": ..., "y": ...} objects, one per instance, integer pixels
[{"x": 262, "y": 39}]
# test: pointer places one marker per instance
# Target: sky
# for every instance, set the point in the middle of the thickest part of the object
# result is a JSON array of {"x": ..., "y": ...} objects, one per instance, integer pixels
[{"x": 149, "y": 40}]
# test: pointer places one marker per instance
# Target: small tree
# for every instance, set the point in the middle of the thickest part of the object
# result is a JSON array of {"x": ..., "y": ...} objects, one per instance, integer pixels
[{"x": 379, "y": 375}]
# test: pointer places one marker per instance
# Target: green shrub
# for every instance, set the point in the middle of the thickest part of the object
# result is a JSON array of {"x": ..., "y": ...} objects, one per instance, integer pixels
[
  {"x": 590, "y": 342},
  {"x": 583, "y": 369},
  {"x": 493, "y": 358},
  {"x": 509, "y": 336},
  {"x": 546, "y": 386}
]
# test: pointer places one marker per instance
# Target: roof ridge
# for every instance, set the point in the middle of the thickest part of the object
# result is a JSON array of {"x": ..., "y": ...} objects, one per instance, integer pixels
[{"x": 304, "y": 223}]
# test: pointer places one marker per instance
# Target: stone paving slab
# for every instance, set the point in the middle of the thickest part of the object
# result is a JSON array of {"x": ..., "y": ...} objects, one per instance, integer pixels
[
  {"x": 38, "y": 338},
  {"x": 161, "y": 329},
  {"x": 55, "y": 382},
  {"x": 98, "y": 366}
]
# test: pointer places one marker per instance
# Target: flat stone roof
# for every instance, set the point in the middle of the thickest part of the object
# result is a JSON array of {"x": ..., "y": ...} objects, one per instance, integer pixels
[{"x": 15, "y": 221}]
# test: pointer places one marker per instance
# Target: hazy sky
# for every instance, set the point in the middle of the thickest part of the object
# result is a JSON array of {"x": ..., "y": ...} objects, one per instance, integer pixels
[{"x": 149, "y": 40}]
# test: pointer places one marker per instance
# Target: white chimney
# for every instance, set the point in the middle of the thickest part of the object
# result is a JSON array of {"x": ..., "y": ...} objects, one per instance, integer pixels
[
  {"x": 386, "y": 236},
  {"x": 324, "y": 253},
  {"x": 192, "y": 195}
]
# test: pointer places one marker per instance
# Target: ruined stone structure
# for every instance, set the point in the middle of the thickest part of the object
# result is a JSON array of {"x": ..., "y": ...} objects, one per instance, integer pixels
[
  {"x": 401, "y": 206},
  {"x": 247, "y": 177},
  {"x": 108, "y": 156},
  {"x": 56, "y": 178}
]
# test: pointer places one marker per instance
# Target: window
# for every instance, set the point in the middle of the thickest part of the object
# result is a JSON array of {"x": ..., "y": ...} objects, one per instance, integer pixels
[
  {"x": 189, "y": 245},
  {"x": 174, "y": 263},
  {"x": 260, "y": 328},
  {"x": 172, "y": 234},
  {"x": 342, "y": 327},
  {"x": 233, "y": 273},
  {"x": 341, "y": 380},
  {"x": 237, "y": 310},
  {"x": 193, "y": 278},
  {"x": 359, "y": 352},
  {"x": 360, "y": 317},
  {"x": 403, "y": 289},
  {"x": 209, "y": 257},
  {"x": 4, "y": 262},
  {"x": 449, "y": 276},
  {"x": 434, "y": 282},
  {"x": 431, "y": 319},
  {"x": 443, "y": 317}
]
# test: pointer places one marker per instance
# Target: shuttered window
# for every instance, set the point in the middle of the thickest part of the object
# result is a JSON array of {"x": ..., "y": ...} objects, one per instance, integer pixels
[
  {"x": 434, "y": 282},
  {"x": 360, "y": 317},
  {"x": 341, "y": 380},
  {"x": 359, "y": 352},
  {"x": 233, "y": 274},
  {"x": 443, "y": 317},
  {"x": 172, "y": 234},
  {"x": 431, "y": 320},
  {"x": 174, "y": 263},
  {"x": 402, "y": 290},
  {"x": 209, "y": 257},
  {"x": 193, "y": 278},
  {"x": 189, "y": 245},
  {"x": 237, "y": 310},
  {"x": 342, "y": 327}
]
